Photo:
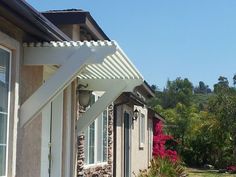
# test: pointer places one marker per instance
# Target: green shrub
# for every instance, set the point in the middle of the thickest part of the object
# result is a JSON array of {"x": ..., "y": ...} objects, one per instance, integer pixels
[{"x": 163, "y": 167}]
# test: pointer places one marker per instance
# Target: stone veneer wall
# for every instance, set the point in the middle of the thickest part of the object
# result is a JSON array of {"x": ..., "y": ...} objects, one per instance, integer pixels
[{"x": 97, "y": 170}]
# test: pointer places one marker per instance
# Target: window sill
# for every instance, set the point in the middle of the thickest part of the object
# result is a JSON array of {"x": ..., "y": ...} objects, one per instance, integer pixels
[{"x": 87, "y": 166}]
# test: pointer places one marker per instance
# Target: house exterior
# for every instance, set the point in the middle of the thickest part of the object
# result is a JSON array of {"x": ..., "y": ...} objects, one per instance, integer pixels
[
  {"x": 97, "y": 149},
  {"x": 46, "y": 62},
  {"x": 133, "y": 132}
]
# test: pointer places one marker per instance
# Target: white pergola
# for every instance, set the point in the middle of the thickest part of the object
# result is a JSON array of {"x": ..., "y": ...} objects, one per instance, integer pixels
[{"x": 101, "y": 65}]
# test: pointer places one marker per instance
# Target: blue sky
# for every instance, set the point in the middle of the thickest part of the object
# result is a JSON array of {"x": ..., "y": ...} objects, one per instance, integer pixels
[{"x": 166, "y": 39}]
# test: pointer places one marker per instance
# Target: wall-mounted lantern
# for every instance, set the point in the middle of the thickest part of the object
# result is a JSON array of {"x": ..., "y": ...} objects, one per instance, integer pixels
[
  {"x": 83, "y": 96},
  {"x": 135, "y": 115}
]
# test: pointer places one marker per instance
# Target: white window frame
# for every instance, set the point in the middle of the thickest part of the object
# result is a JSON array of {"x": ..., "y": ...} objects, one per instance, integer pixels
[
  {"x": 142, "y": 134},
  {"x": 8, "y": 109},
  {"x": 150, "y": 138},
  {"x": 96, "y": 162}
]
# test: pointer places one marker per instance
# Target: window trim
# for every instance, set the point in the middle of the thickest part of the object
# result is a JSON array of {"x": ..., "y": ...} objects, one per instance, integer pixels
[
  {"x": 142, "y": 133},
  {"x": 8, "y": 109},
  {"x": 88, "y": 165}
]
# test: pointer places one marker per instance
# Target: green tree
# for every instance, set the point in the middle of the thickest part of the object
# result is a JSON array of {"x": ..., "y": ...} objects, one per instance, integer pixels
[
  {"x": 177, "y": 91},
  {"x": 202, "y": 88},
  {"x": 234, "y": 80},
  {"x": 203, "y": 124},
  {"x": 222, "y": 85},
  {"x": 223, "y": 106}
]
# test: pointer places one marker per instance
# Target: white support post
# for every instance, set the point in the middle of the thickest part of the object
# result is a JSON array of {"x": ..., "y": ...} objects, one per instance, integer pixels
[
  {"x": 100, "y": 105},
  {"x": 62, "y": 78},
  {"x": 112, "y": 92}
]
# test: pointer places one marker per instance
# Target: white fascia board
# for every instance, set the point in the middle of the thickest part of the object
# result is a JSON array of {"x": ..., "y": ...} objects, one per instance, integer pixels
[
  {"x": 51, "y": 55},
  {"x": 70, "y": 68},
  {"x": 114, "y": 88}
]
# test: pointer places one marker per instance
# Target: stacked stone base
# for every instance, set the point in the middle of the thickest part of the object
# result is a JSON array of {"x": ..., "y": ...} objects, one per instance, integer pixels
[{"x": 98, "y": 171}]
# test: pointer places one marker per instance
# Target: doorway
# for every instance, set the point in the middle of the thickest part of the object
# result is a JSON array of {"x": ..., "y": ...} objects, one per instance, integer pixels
[
  {"x": 52, "y": 130},
  {"x": 127, "y": 145}
]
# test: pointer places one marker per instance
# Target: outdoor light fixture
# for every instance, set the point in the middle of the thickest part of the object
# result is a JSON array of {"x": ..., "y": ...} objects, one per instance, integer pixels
[
  {"x": 83, "y": 95},
  {"x": 135, "y": 114}
]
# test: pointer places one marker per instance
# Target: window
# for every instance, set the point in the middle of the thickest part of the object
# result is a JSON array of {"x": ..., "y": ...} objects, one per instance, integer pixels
[
  {"x": 96, "y": 139},
  {"x": 4, "y": 107},
  {"x": 142, "y": 130}
]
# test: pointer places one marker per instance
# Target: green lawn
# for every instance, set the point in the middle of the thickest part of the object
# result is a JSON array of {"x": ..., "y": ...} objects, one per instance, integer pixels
[{"x": 207, "y": 173}]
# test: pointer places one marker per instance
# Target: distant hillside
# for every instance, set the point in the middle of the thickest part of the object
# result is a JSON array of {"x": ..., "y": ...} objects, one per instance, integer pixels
[{"x": 201, "y": 100}]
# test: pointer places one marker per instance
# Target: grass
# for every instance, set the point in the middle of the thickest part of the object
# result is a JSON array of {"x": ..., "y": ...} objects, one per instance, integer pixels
[{"x": 207, "y": 173}]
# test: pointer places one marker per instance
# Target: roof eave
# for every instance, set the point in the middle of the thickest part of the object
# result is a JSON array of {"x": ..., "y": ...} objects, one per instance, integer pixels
[
  {"x": 30, "y": 20},
  {"x": 82, "y": 18}
]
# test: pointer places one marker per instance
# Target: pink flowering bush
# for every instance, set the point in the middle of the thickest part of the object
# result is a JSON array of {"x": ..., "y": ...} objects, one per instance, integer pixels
[
  {"x": 165, "y": 162},
  {"x": 159, "y": 141},
  {"x": 231, "y": 169}
]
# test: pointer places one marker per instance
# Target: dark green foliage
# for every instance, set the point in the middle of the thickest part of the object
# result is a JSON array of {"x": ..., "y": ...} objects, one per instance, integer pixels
[
  {"x": 202, "y": 88},
  {"x": 177, "y": 91},
  {"x": 222, "y": 85},
  {"x": 203, "y": 123},
  {"x": 234, "y": 79},
  {"x": 201, "y": 100}
]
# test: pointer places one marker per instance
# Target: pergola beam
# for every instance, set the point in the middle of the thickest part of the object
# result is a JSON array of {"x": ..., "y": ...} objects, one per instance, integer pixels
[
  {"x": 112, "y": 92},
  {"x": 62, "y": 78}
]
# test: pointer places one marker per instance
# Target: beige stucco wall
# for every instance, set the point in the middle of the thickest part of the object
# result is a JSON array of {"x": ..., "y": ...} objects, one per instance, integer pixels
[
  {"x": 24, "y": 143},
  {"x": 29, "y": 137},
  {"x": 14, "y": 46},
  {"x": 139, "y": 156},
  {"x": 24, "y": 156},
  {"x": 29, "y": 149}
]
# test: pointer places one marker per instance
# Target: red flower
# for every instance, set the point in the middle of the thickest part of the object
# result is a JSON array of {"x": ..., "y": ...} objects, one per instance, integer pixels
[
  {"x": 159, "y": 141},
  {"x": 231, "y": 168}
]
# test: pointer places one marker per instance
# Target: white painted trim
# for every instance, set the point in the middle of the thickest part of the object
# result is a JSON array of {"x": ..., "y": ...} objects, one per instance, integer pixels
[
  {"x": 45, "y": 140},
  {"x": 107, "y": 98},
  {"x": 67, "y": 163},
  {"x": 96, "y": 142},
  {"x": 150, "y": 138},
  {"x": 87, "y": 166},
  {"x": 144, "y": 112},
  {"x": 59, "y": 55},
  {"x": 99, "y": 106},
  {"x": 14, "y": 46},
  {"x": 108, "y": 84},
  {"x": 60, "y": 80},
  {"x": 142, "y": 118},
  {"x": 56, "y": 136}
]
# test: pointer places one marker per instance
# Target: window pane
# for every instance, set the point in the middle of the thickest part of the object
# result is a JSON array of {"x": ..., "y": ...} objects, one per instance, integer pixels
[
  {"x": 4, "y": 89},
  {"x": 86, "y": 144},
  {"x": 99, "y": 138},
  {"x": 4, "y": 80},
  {"x": 91, "y": 142},
  {"x": 2, "y": 160},
  {"x": 3, "y": 128},
  {"x": 142, "y": 129},
  {"x": 90, "y": 139},
  {"x": 105, "y": 136}
]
